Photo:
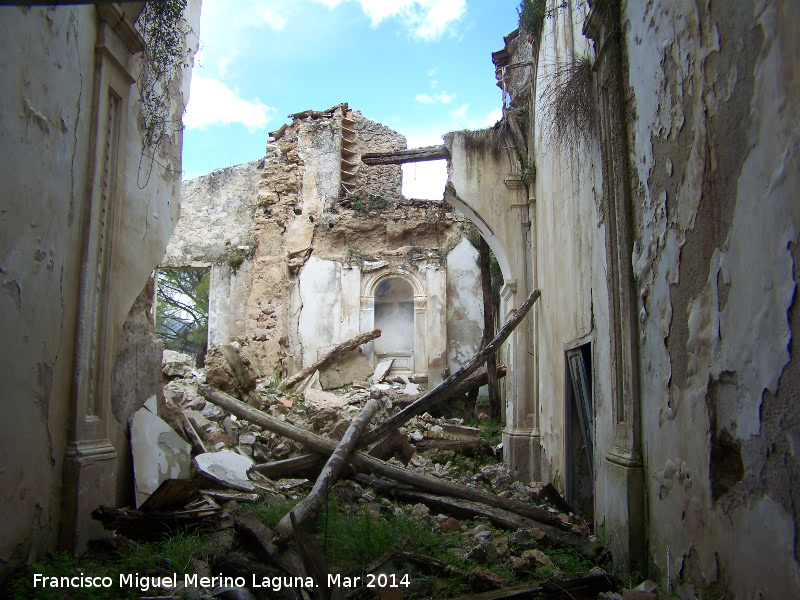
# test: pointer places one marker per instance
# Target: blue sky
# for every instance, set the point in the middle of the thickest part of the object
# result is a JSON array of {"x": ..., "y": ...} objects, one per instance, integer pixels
[{"x": 422, "y": 67}]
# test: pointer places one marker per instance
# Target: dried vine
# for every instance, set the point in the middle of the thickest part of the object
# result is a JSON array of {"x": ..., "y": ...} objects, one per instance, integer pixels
[{"x": 164, "y": 30}]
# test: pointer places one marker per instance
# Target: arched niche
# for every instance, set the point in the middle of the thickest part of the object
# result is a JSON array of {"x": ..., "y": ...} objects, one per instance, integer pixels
[{"x": 396, "y": 301}]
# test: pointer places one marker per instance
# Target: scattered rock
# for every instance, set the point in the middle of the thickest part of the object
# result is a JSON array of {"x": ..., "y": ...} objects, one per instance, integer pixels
[
  {"x": 538, "y": 557},
  {"x": 226, "y": 468},
  {"x": 450, "y": 524},
  {"x": 482, "y": 579},
  {"x": 176, "y": 364},
  {"x": 420, "y": 511},
  {"x": 501, "y": 545},
  {"x": 344, "y": 370},
  {"x": 497, "y": 476},
  {"x": 477, "y": 554}
]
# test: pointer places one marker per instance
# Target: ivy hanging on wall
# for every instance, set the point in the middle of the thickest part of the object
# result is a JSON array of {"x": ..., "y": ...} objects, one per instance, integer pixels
[{"x": 164, "y": 30}]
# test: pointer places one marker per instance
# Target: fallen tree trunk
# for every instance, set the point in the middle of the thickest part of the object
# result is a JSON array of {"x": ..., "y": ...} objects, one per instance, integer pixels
[
  {"x": 403, "y": 156},
  {"x": 435, "y": 395},
  {"x": 336, "y": 352},
  {"x": 465, "y": 509},
  {"x": 330, "y": 472},
  {"x": 363, "y": 462}
]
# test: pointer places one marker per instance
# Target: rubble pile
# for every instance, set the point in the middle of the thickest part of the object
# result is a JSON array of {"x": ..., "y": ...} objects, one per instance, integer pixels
[{"x": 201, "y": 454}]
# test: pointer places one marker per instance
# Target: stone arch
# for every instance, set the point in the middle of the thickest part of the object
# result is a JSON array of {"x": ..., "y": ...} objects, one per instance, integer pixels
[{"x": 417, "y": 357}]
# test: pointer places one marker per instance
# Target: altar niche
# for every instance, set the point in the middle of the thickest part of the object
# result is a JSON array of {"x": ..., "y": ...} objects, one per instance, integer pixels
[{"x": 394, "y": 316}]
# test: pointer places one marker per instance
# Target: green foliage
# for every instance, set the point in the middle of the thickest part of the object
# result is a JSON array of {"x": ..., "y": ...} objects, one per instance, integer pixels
[
  {"x": 532, "y": 14},
  {"x": 182, "y": 309},
  {"x": 270, "y": 513},
  {"x": 371, "y": 202},
  {"x": 171, "y": 555},
  {"x": 353, "y": 537}
]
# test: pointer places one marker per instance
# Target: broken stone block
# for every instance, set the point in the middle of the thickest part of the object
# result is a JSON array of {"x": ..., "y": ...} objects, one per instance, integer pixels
[
  {"x": 151, "y": 404},
  {"x": 420, "y": 511},
  {"x": 497, "y": 476},
  {"x": 344, "y": 370},
  {"x": 338, "y": 430},
  {"x": 226, "y": 468},
  {"x": 318, "y": 399},
  {"x": 482, "y": 579},
  {"x": 501, "y": 545},
  {"x": 450, "y": 524},
  {"x": 247, "y": 439},
  {"x": 477, "y": 554},
  {"x": 196, "y": 418},
  {"x": 231, "y": 369},
  {"x": 176, "y": 364},
  {"x": 158, "y": 453},
  {"x": 381, "y": 369},
  {"x": 538, "y": 557}
]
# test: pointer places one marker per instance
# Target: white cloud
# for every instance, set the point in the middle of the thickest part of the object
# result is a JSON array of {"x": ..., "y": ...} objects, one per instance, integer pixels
[
  {"x": 493, "y": 117},
  {"x": 427, "y": 19},
  {"x": 460, "y": 112},
  {"x": 275, "y": 21},
  {"x": 212, "y": 102},
  {"x": 442, "y": 97}
]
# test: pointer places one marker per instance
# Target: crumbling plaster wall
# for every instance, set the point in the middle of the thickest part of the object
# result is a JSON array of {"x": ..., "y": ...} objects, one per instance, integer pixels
[
  {"x": 46, "y": 129},
  {"x": 714, "y": 131},
  {"x": 570, "y": 256}
]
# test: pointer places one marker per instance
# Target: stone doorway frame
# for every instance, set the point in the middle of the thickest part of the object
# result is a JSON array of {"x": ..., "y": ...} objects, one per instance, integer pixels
[{"x": 422, "y": 346}]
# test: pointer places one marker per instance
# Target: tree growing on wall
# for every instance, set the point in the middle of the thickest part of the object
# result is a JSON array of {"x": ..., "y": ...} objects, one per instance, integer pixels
[{"x": 182, "y": 310}]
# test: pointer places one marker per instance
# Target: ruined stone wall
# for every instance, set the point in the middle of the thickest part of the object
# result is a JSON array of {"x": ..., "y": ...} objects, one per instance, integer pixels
[
  {"x": 714, "y": 130},
  {"x": 379, "y": 180},
  {"x": 307, "y": 254}
]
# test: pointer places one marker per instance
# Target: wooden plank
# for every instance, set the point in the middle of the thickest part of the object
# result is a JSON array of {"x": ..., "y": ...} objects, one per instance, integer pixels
[{"x": 403, "y": 156}]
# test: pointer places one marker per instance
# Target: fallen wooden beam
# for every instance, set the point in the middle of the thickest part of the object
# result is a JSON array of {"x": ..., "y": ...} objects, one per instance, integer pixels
[
  {"x": 509, "y": 593},
  {"x": 465, "y": 509},
  {"x": 336, "y": 352},
  {"x": 365, "y": 463},
  {"x": 465, "y": 447},
  {"x": 591, "y": 586},
  {"x": 435, "y": 395},
  {"x": 259, "y": 535},
  {"x": 403, "y": 156},
  {"x": 290, "y": 466},
  {"x": 330, "y": 472}
]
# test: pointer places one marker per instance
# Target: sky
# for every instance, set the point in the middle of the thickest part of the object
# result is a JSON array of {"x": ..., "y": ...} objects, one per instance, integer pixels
[{"x": 422, "y": 67}]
